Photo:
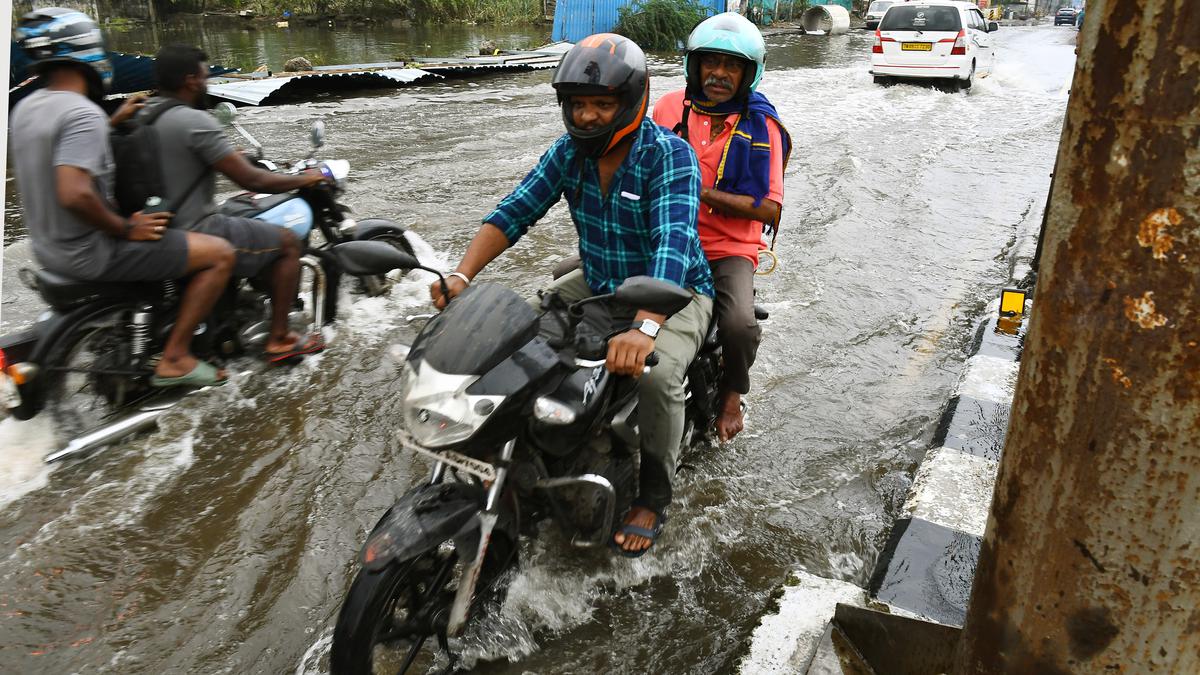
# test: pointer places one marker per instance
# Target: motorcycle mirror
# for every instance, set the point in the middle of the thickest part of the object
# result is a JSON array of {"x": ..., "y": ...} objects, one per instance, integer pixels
[
  {"x": 653, "y": 295},
  {"x": 318, "y": 134},
  {"x": 372, "y": 257},
  {"x": 225, "y": 112}
]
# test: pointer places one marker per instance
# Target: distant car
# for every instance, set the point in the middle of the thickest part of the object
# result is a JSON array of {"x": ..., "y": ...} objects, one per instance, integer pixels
[
  {"x": 1065, "y": 17},
  {"x": 937, "y": 39},
  {"x": 875, "y": 12}
]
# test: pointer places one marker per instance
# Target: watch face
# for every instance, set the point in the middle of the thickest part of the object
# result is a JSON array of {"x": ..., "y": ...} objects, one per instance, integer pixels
[{"x": 648, "y": 327}]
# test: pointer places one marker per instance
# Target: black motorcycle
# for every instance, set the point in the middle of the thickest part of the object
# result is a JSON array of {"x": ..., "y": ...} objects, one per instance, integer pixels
[
  {"x": 88, "y": 360},
  {"x": 522, "y": 422}
]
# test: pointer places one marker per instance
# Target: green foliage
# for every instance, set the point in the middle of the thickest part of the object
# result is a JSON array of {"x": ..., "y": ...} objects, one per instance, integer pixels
[
  {"x": 419, "y": 11},
  {"x": 475, "y": 11},
  {"x": 659, "y": 25},
  {"x": 790, "y": 10}
]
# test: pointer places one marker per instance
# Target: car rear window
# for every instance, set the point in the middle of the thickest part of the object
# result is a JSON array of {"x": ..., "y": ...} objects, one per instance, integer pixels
[
  {"x": 879, "y": 6},
  {"x": 920, "y": 17}
]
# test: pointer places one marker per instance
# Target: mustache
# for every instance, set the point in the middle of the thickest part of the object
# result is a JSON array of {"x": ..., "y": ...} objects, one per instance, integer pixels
[{"x": 719, "y": 81}]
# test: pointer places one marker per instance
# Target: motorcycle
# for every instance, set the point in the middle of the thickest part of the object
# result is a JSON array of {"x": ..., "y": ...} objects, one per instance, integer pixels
[
  {"x": 523, "y": 422},
  {"x": 88, "y": 360}
]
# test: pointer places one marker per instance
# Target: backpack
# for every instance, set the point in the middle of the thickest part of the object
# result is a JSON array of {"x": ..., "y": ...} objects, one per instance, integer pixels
[{"x": 139, "y": 173}]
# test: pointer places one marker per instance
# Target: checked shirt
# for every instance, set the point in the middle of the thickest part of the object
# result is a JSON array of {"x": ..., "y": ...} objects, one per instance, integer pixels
[{"x": 646, "y": 225}]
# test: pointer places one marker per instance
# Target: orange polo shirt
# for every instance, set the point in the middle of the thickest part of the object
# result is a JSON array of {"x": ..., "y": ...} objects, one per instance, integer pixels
[{"x": 722, "y": 236}]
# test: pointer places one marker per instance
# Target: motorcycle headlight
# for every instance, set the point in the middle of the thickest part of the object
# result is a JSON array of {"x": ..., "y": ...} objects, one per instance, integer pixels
[{"x": 437, "y": 410}]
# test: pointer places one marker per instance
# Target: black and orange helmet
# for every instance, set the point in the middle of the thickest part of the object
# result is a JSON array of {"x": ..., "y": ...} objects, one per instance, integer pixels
[{"x": 604, "y": 64}]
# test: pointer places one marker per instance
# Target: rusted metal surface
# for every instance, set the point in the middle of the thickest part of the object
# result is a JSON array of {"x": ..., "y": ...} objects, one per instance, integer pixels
[{"x": 1091, "y": 560}]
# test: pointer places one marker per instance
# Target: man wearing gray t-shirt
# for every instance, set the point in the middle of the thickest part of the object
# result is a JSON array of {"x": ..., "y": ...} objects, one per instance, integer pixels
[
  {"x": 60, "y": 151},
  {"x": 191, "y": 145}
]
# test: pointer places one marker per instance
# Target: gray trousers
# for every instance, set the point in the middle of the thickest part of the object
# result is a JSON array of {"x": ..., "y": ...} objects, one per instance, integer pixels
[
  {"x": 660, "y": 392},
  {"x": 739, "y": 330}
]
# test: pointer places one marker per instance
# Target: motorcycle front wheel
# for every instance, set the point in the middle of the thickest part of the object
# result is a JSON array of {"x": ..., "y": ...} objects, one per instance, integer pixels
[{"x": 389, "y": 616}]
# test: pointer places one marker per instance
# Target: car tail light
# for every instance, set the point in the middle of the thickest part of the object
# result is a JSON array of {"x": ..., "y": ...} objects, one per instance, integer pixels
[
  {"x": 960, "y": 44},
  {"x": 877, "y": 48}
]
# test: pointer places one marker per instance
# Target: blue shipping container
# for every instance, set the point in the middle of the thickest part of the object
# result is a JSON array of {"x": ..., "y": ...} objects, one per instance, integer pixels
[{"x": 577, "y": 19}]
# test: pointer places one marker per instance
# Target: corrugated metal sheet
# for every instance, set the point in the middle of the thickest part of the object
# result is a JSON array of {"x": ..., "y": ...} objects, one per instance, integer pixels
[
  {"x": 577, "y": 19},
  {"x": 269, "y": 90}
]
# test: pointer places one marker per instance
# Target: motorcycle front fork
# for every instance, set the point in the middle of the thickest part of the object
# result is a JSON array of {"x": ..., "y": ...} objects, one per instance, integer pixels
[{"x": 487, "y": 523}]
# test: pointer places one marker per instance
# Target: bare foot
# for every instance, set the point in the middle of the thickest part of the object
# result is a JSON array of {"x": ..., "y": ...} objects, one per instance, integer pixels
[
  {"x": 730, "y": 421},
  {"x": 642, "y": 517}
]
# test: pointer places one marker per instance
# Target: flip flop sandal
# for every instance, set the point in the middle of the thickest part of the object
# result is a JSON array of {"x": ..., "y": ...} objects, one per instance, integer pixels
[
  {"x": 203, "y": 375},
  {"x": 628, "y": 529},
  {"x": 310, "y": 344}
]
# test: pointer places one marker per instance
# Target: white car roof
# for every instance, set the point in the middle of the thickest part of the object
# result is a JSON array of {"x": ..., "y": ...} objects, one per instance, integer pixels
[{"x": 938, "y": 3}]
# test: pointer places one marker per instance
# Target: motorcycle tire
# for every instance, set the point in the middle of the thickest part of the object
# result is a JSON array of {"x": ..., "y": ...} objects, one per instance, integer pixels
[
  {"x": 80, "y": 391},
  {"x": 370, "y": 607}
]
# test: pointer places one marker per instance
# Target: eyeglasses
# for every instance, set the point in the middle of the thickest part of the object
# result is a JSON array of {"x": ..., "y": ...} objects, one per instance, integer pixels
[{"x": 732, "y": 64}]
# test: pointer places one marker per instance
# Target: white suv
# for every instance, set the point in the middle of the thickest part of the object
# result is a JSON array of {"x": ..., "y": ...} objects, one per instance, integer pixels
[
  {"x": 875, "y": 12},
  {"x": 933, "y": 39}
]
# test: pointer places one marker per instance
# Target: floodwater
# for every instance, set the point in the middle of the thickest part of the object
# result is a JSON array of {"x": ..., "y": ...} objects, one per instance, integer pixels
[{"x": 223, "y": 542}]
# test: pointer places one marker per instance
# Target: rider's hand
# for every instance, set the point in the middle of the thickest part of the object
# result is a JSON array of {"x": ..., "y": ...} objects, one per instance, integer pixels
[
  {"x": 128, "y": 109},
  {"x": 147, "y": 226},
  {"x": 453, "y": 284},
  {"x": 315, "y": 178},
  {"x": 627, "y": 352}
]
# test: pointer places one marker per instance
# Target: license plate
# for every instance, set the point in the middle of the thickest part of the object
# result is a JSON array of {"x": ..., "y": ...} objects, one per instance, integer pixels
[
  {"x": 459, "y": 461},
  {"x": 916, "y": 46}
]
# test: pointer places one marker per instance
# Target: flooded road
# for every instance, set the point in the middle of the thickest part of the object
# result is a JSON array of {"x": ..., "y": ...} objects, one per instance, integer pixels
[{"x": 223, "y": 542}]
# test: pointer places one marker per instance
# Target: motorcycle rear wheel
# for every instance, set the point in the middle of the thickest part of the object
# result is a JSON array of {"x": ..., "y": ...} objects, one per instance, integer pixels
[
  {"x": 378, "y": 603},
  {"x": 84, "y": 387}
]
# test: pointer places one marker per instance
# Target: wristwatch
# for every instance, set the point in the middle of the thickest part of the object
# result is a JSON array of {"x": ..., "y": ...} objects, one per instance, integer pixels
[{"x": 648, "y": 326}]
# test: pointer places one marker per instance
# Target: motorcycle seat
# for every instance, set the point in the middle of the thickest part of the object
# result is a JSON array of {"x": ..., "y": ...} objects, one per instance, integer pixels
[{"x": 64, "y": 293}]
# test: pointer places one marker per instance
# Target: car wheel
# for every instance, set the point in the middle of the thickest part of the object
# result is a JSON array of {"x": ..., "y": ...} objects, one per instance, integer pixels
[
  {"x": 965, "y": 85},
  {"x": 883, "y": 81}
]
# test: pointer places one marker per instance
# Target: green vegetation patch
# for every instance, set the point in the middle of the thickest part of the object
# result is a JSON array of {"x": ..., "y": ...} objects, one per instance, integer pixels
[{"x": 659, "y": 25}]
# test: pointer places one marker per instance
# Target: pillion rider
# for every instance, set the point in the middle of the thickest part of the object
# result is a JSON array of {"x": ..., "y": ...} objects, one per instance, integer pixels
[
  {"x": 743, "y": 149},
  {"x": 64, "y": 167},
  {"x": 633, "y": 193}
]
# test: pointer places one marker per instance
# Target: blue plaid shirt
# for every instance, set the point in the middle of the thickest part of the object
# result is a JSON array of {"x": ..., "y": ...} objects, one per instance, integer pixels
[{"x": 645, "y": 226}]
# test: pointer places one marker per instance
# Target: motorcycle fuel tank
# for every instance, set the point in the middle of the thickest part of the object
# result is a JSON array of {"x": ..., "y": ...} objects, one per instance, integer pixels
[{"x": 285, "y": 210}]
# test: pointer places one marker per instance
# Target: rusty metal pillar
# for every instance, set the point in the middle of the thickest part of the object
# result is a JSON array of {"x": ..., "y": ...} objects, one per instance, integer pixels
[{"x": 1091, "y": 560}]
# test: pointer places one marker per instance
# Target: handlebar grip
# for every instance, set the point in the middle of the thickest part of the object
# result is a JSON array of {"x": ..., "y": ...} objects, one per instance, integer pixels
[{"x": 651, "y": 360}]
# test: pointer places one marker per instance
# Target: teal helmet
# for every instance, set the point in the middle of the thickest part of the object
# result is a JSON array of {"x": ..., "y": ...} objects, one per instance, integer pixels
[{"x": 727, "y": 33}]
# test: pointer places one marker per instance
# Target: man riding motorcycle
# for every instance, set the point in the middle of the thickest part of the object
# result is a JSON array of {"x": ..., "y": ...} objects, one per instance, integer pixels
[
  {"x": 743, "y": 149},
  {"x": 644, "y": 224},
  {"x": 64, "y": 166},
  {"x": 191, "y": 144}
]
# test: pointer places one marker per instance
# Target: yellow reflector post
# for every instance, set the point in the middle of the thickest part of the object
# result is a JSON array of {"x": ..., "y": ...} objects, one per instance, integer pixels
[{"x": 1012, "y": 302}]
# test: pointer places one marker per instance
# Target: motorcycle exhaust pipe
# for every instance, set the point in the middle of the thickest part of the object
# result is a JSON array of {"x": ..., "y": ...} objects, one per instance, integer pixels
[{"x": 111, "y": 433}]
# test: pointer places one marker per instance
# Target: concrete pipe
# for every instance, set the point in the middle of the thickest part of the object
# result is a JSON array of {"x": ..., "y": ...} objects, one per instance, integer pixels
[{"x": 829, "y": 19}]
